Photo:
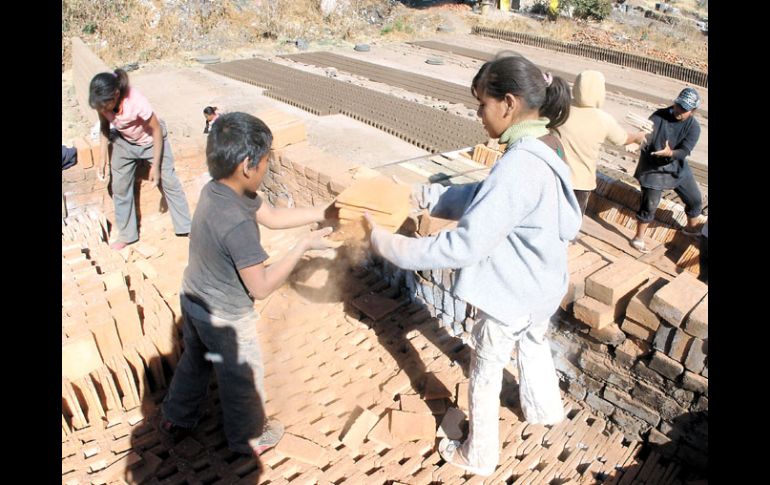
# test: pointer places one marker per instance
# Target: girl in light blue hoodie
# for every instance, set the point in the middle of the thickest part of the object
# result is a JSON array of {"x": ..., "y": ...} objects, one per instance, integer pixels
[{"x": 509, "y": 249}]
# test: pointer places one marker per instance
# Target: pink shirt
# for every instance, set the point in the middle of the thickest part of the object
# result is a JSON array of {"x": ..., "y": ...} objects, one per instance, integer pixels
[{"x": 132, "y": 118}]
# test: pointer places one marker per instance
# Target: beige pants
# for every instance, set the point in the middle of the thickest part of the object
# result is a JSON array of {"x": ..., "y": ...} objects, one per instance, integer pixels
[{"x": 538, "y": 384}]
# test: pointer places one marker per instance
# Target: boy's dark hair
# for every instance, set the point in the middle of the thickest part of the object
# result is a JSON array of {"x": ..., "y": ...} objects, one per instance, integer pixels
[
  {"x": 234, "y": 137},
  {"x": 209, "y": 110},
  {"x": 512, "y": 73},
  {"x": 103, "y": 86}
]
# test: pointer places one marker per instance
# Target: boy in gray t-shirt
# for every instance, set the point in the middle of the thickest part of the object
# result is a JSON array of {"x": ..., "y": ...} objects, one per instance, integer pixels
[{"x": 225, "y": 273}]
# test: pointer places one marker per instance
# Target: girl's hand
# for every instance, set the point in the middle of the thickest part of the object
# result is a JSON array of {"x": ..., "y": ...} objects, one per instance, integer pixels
[
  {"x": 154, "y": 175},
  {"x": 101, "y": 173}
]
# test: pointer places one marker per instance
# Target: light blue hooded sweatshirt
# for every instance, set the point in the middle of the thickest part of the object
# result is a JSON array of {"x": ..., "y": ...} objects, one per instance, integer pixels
[{"x": 510, "y": 244}]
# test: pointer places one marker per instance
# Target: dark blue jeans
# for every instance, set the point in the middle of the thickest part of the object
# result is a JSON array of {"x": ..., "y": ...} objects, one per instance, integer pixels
[
  {"x": 232, "y": 348},
  {"x": 688, "y": 191}
]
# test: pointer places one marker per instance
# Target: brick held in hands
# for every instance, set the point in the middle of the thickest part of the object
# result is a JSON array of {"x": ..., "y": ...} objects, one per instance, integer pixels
[
  {"x": 85, "y": 154},
  {"x": 674, "y": 301}
]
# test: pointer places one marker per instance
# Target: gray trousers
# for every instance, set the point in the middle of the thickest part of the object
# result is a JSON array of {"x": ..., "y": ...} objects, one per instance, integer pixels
[
  {"x": 125, "y": 156},
  {"x": 232, "y": 348}
]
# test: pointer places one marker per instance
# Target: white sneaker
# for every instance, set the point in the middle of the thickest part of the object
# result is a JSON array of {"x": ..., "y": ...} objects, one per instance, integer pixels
[{"x": 450, "y": 452}]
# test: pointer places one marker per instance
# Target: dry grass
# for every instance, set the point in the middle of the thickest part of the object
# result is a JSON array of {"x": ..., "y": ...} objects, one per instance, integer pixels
[{"x": 124, "y": 31}]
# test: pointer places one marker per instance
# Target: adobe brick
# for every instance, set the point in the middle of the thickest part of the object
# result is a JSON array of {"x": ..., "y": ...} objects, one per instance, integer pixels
[
  {"x": 354, "y": 437},
  {"x": 665, "y": 365},
  {"x": 577, "y": 280},
  {"x": 639, "y": 306},
  {"x": 303, "y": 450},
  {"x": 617, "y": 281},
  {"x": 697, "y": 323},
  {"x": 642, "y": 370},
  {"x": 610, "y": 334},
  {"x": 593, "y": 313},
  {"x": 675, "y": 300},
  {"x": 694, "y": 382},
  {"x": 411, "y": 427},
  {"x": 631, "y": 426},
  {"x": 667, "y": 407},
  {"x": 636, "y": 330},
  {"x": 627, "y": 353},
  {"x": 663, "y": 337},
  {"x": 680, "y": 345},
  {"x": 696, "y": 357},
  {"x": 595, "y": 364}
]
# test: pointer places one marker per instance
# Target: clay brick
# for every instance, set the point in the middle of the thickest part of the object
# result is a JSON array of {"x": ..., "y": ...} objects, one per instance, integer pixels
[
  {"x": 106, "y": 337},
  {"x": 665, "y": 365},
  {"x": 599, "y": 404},
  {"x": 610, "y": 334},
  {"x": 80, "y": 356},
  {"x": 71, "y": 405},
  {"x": 354, "y": 437},
  {"x": 639, "y": 307},
  {"x": 593, "y": 313},
  {"x": 697, "y": 323},
  {"x": 627, "y": 353},
  {"x": 411, "y": 426},
  {"x": 695, "y": 382},
  {"x": 663, "y": 337},
  {"x": 675, "y": 300},
  {"x": 667, "y": 407},
  {"x": 633, "y": 328},
  {"x": 85, "y": 158},
  {"x": 680, "y": 345},
  {"x": 462, "y": 395},
  {"x": 696, "y": 357},
  {"x": 127, "y": 320},
  {"x": 617, "y": 281},
  {"x": 303, "y": 450},
  {"x": 576, "y": 286},
  {"x": 413, "y": 403}
]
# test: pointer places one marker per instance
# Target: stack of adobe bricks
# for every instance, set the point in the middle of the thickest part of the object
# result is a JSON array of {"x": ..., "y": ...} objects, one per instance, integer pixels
[
  {"x": 300, "y": 175},
  {"x": 119, "y": 340},
  {"x": 643, "y": 361},
  {"x": 486, "y": 155}
]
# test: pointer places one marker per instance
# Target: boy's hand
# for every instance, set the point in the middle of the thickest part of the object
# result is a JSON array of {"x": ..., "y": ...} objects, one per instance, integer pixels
[
  {"x": 317, "y": 239},
  {"x": 370, "y": 222},
  {"x": 665, "y": 152}
]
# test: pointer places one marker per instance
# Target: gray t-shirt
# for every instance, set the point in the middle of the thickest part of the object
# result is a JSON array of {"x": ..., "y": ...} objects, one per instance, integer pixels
[{"x": 224, "y": 238}]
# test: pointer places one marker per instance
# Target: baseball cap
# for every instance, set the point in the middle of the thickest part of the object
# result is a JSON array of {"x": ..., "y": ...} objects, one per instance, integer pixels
[{"x": 689, "y": 99}]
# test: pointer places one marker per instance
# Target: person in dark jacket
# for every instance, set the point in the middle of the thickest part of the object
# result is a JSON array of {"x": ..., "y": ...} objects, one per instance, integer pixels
[{"x": 663, "y": 164}]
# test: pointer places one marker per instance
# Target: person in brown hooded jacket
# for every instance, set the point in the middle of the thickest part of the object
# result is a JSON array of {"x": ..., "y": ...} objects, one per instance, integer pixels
[{"x": 586, "y": 128}]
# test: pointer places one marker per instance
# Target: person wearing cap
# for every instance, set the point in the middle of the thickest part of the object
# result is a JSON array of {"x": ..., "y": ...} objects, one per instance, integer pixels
[{"x": 663, "y": 164}]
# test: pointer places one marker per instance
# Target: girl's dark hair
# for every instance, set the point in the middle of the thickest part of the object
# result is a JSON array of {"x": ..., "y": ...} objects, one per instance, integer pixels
[
  {"x": 234, "y": 137},
  {"x": 512, "y": 73},
  {"x": 209, "y": 110},
  {"x": 103, "y": 86}
]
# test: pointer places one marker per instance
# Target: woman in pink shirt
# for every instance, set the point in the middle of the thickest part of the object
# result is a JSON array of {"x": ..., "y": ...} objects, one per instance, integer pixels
[{"x": 138, "y": 135}]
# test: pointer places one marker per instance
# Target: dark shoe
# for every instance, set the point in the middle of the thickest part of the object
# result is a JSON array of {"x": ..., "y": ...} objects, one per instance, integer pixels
[
  {"x": 170, "y": 430},
  {"x": 270, "y": 437},
  {"x": 183, "y": 234}
]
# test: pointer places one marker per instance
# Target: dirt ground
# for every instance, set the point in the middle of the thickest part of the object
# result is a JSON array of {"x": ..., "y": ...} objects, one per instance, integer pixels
[{"x": 179, "y": 92}]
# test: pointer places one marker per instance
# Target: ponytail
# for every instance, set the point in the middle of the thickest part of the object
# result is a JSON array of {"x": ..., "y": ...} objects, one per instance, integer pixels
[
  {"x": 557, "y": 102},
  {"x": 103, "y": 86}
]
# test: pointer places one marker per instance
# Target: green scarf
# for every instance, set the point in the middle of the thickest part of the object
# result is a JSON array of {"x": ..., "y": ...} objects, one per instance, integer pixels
[{"x": 534, "y": 128}]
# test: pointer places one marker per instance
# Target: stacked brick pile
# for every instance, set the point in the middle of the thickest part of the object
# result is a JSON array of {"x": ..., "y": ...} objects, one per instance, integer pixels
[
  {"x": 631, "y": 343},
  {"x": 119, "y": 342},
  {"x": 617, "y": 201}
]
